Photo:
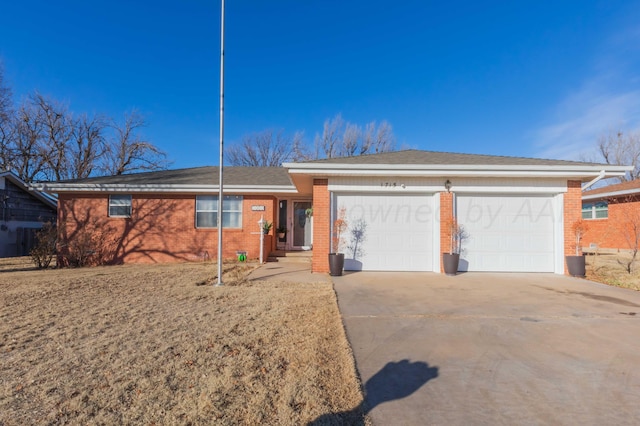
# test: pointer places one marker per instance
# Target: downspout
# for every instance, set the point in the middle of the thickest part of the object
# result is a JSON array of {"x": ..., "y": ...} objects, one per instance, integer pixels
[{"x": 588, "y": 185}]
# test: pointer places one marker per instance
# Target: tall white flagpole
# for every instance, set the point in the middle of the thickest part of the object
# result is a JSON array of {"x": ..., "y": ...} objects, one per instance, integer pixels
[{"x": 220, "y": 190}]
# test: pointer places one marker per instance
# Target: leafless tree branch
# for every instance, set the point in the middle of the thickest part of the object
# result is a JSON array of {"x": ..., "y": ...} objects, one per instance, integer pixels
[{"x": 127, "y": 152}]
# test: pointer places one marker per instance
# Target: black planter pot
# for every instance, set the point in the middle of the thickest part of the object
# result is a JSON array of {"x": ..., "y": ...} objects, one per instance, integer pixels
[
  {"x": 450, "y": 263},
  {"x": 336, "y": 264},
  {"x": 576, "y": 266}
]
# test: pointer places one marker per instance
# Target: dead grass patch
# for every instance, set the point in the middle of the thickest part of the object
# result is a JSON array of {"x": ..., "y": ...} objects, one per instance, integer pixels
[
  {"x": 607, "y": 269},
  {"x": 145, "y": 344}
]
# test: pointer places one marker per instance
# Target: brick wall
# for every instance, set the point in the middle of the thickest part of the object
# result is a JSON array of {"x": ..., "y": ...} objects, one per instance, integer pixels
[
  {"x": 446, "y": 215},
  {"x": 321, "y": 225},
  {"x": 572, "y": 213},
  {"x": 160, "y": 229},
  {"x": 613, "y": 232}
]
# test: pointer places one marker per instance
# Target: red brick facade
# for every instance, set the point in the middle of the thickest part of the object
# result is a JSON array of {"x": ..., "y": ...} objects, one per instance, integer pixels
[
  {"x": 321, "y": 226},
  {"x": 572, "y": 213},
  {"x": 446, "y": 215},
  {"x": 617, "y": 230},
  {"x": 161, "y": 229}
]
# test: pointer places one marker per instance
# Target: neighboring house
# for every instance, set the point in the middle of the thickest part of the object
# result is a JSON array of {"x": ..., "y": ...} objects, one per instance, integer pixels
[
  {"x": 22, "y": 213},
  {"x": 517, "y": 211},
  {"x": 613, "y": 215}
]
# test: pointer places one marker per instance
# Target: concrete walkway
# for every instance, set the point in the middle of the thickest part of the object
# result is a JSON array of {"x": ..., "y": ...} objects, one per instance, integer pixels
[
  {"x": 287, "y": 271},
  {"x": 493, "y": 349}
]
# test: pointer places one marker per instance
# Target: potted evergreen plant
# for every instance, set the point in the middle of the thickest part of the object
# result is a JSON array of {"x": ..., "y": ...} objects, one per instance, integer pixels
[
  {"x": 282, "y": 231},
  {"x": 451, "y": 260},
  {"x": 576, "y": 265},
  {"x": 266, "y": 227},
  {"x": 336, "y": 258}
]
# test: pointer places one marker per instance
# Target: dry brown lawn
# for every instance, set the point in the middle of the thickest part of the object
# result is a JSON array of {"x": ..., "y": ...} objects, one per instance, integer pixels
[
  {"x": 610, "y": 268},
  {"x": 152, "y": 345}
]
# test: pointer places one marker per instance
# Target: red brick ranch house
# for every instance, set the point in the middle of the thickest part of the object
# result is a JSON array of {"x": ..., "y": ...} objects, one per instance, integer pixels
[{"x": 517, "y": 212}]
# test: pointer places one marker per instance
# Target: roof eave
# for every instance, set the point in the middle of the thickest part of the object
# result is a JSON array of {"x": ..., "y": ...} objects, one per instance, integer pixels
[
  {"x": 464, "y": 170},
  {"x": 611, "y": 194},
  {"x": 164, "y": 188}
]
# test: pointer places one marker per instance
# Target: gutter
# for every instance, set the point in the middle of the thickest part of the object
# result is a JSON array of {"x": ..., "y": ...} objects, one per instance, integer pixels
[
  {"x": 600, "y": 176},
  {"x": 78, "y": 187},
  {"x": 611, "y": 194}
]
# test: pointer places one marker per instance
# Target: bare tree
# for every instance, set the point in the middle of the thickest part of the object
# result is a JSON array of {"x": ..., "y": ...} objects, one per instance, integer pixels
[
  {"x": 57, "y": 129},
  {"x": 341, "y": 138},
  {"x": 87, "y": 147},
  {"x": 127, "y": 152},
  {"x": 41, "y": 139},
  {"x": 27, "y": 145},
  {"x": 328, "y": 144},
  {"x": 267, "y": 148},
  {"x": 621, "y": 149},
  {"x": 384, "y": 140},
  {"x": 350, "y": 140}
]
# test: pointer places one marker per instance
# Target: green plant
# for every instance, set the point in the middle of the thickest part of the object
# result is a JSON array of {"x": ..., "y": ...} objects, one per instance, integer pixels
[
  {"x": 43, "y": 252},
  {"x": 266, "y": 226},
  {"x": 281, "y": 229}
]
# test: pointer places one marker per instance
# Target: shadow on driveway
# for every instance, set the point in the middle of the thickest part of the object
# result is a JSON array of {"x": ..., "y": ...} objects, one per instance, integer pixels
[{"x": 396, "y": 380}]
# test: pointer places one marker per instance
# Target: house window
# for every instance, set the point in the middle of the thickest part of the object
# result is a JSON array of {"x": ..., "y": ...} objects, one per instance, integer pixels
[
  {"x": 120, "y": 205},
  {"x": 207, "y": 211},
  {"x": 599, "y": 210}
]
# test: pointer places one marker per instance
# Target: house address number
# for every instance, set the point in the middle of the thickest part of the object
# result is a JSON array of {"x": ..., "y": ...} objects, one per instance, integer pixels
[
  {"x": 391, "y": 184},
  {"x": 257, "y": 208}
]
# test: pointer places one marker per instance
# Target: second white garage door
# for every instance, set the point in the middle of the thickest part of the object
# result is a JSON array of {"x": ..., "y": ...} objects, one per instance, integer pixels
[
  {"x": 388, "y": 232},
  {"x": 507, "y": 233}
]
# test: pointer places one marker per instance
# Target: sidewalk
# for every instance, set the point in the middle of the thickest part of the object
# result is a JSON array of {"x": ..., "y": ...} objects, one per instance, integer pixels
[{"x": 288, "y": 271}]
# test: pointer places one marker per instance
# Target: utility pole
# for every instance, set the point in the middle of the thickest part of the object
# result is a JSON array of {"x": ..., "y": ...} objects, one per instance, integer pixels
[{"x": 220, "y": 190}]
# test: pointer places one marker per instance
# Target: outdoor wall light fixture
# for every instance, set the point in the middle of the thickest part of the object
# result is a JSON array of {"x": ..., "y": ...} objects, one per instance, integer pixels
[{"x": 447, "y": 185}]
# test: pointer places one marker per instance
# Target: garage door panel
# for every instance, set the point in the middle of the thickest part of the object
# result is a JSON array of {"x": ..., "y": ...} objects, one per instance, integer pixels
[
  {"x": 507, "y": 232},
  {"x": 397, "y": 233}
]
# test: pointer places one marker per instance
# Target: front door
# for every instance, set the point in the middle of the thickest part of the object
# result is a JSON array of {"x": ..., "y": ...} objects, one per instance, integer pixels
[{"x": 302, "y": 225}]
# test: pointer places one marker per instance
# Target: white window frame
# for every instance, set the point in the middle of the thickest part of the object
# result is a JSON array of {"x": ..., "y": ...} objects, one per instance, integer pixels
[
  {"x": 214, "y": 210},
  {"x": 122, "y": 197},
  {"x": 592, "y": 209}
]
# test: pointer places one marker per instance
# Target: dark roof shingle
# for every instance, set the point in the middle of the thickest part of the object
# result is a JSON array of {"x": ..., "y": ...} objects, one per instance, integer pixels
[
  {"x": 207, "y": 175},
  {"x": 418, "y": 157}
]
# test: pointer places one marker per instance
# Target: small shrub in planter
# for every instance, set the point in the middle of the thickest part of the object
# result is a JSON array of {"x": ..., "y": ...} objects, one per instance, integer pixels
[
  {"x": 576, "y": 265},
  {"x": 336, "y": 259},
  {"x": 457, "y": 234}
]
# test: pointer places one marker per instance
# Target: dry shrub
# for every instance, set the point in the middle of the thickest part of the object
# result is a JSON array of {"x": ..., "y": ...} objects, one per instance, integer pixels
[
  {"x": 91, "y": 244},
  {"x": 43, "y": 253}
]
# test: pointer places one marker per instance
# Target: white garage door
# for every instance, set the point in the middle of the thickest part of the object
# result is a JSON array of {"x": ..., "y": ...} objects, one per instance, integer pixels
[
  {"x": 507, "y": 233},
  {"x": 388, "y": 232}
]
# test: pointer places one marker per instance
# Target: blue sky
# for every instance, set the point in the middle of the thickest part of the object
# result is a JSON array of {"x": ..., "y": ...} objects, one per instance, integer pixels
[{"x": 526, "y": 78}]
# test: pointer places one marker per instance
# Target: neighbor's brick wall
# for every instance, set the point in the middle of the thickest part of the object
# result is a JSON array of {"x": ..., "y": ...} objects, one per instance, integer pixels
[
  {"x": 610, "y": 233},
  {"x": 321, "y": 226},
  {"x": 161, "y": 229},
  {"x": 446, "y": 214}
]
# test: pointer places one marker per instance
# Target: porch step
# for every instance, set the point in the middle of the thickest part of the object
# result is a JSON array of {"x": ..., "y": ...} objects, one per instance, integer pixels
[{"x": 290, "y": 256}]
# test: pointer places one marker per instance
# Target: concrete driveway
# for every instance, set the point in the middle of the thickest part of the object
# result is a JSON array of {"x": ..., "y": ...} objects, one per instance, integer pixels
[{"x": 499, "y": 349}]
